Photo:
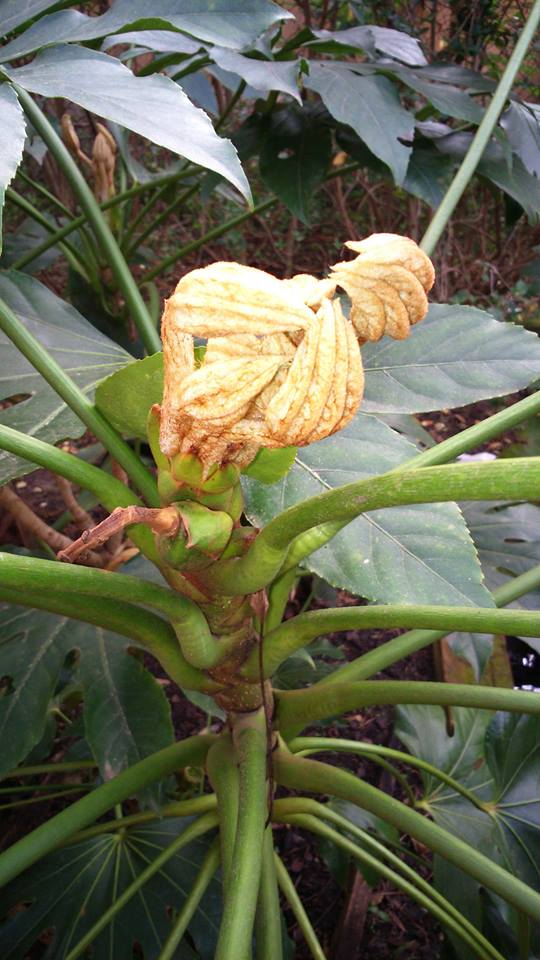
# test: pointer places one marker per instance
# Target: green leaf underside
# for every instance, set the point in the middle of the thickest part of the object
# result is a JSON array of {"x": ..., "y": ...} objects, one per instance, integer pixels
[
  {"x": 87, "y": 355},
  {"x": 371, "y": 106},
  {"x": 12, "y": 137},
  {"x": 70, "y": 889},
  {"x": 127, "y": 716},
  {"x": 415, "y": 554},
  {"x": 497, "y": 757},
  {"x": 155, "y": 106},
  {"x": 456, "y": 355}
]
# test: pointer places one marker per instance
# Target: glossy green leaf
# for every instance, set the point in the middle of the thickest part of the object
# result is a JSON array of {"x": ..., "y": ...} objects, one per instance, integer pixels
[
  {"x": 428, "y": 176},
  {"x": 261, "y": 75},
  {"x": 154, "y": 106},
  {"x": 140, "y": 385},
  {"x": 371, "y": 106},
  {"x": 372, "y": 39},
  {"x": 227, "y": 23},
  {"x": 12, "y": 15},
  {"x": 294, "y": 158},
  {"x": 69, "y": 890},
  {"x": 417, "y": 554},
  {"x": 127, "y": 716},
  {"x": 12, "y": 137},
  {"x": 271, "y": 465},
  {"x": 522, "y": 126},
  {"x": 455, "y": 356},
  {"x": 78, "y": 347}
]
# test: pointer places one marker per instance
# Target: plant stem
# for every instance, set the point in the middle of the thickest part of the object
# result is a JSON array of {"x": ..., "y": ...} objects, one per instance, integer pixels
[
  {"x": 65, "y": 766},
  {"x": 222, "y": 770},
  {"x": 76, "y": 399},
  {"x": 142, "y": 627},
  {"x": 102, "y": 231},
  {"x": 305, "y": 746},
  {"x": 285, "y": 807},
  {"x": 77, "y": 222},
  {"x": 196, "y": 829},
  {"x": 297, "y": 632},
  {"x": 161, "y": 218},
  {"x": 317, "y": 777},
  {"x": 179, "y": 808},
  {"x": 289, "y": 892},
  {"x": 191, "y": 903},
  {"x": 388, "y": 653},
  {"x": 213, "y": 234},
  {"x": 314, "y": 825},
  {"x": 72, "y": 255},
  {"x": 236, "y": 930},
  {"x": 268, "y": 937},
  {"x": 482, "y": 135},
  {"x": 302, "y": 707},
  {"x": 505, "y": 479},
  {"x": 48, "y": 836},
  {"x": 108, "y": 490}
]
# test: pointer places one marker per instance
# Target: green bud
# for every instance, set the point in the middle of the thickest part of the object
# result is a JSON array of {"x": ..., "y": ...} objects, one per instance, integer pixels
[
  {"x": 207, "y": 530},
  {"x": 271, "y": 465},
  {"x": 187, "y": 468}
]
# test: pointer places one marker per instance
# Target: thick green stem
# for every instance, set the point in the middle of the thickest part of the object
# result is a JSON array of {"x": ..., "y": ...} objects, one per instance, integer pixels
[
  {"x": 501, "y": 480},
  {"x": 161, "y": 218},
  {"x": 199, "y": 647},
  {"x": 145, "y": 629},
  {"x": 108, "y": 490},
  {"x": 97, "y": 221},
  {"x": 293, "y": 805},
  {"x": 236, "y": 931},
  {"x": 268, "y": 937},
  {"x": 76, "y": 399},
  {"x": 297, "y": 632},
  {"x": 483, "y": 134},
  {"x": 315, "y": 825},
  {"x": 25, "y": 852},
  {"x": 317, "y": 777},
  {"x": 222, "y": 769},
  {"x": 388, "y": 653},
  {"x": 178, "y": 808},
  {"x": 201, "y": 826},
  {"x": 305, "y": 746},
  {"x": 298, "y": 708},
  {"x": 289, "y": 892},
  {"x": 191, "y": 903}
]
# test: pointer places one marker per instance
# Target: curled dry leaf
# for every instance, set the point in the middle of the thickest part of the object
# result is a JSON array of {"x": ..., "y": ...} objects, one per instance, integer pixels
[
  {"x": 282, "y": 365},
  {"x": 387, "y": 283}
]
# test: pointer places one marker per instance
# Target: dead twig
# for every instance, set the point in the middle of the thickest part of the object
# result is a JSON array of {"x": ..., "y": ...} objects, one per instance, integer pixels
[
  {"x": 25, "y": 517},
  {"x": 164, "y": 522}
]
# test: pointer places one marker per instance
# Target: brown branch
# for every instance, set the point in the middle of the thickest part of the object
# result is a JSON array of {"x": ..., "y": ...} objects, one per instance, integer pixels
[
  {"x": 29, "y": 521},
  {"x": 164, "y": 521},
  {"x": 83, "y": 519}
]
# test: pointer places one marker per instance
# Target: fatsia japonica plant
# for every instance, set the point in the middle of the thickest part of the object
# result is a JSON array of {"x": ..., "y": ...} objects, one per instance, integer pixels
[{"x": 273, "y": 436}]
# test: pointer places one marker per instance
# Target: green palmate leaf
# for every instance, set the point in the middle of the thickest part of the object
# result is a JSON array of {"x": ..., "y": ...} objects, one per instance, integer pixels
[
  {"x": 12, "y": 137},
  {"x": 140, "y": 385},
  {"x": 126, "y": 717},
  {"x": 294, "y": 159},
  {"x": 419, "y": 554},
  {"x": 496, "y": 758},
  {"x": 69, "y": 890},
  {"x": 455, "y": 356},
  {"x": 154, "y": 107},
  {"x": 371, "y": 106},
  {"x": 80, "y": 349},
  {"x": 428, "y": 176},
  {"x": 225, "y": 22},
  {"x": 522, "y": 127}
]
